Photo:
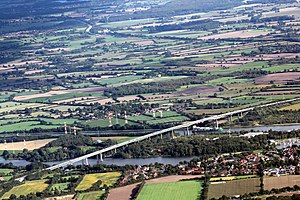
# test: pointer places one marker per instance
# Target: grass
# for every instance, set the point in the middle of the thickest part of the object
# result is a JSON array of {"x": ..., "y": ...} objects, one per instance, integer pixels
[
  {"x": 60, "y": 186},
  {"x": 120, "y": 79},
  {"x": 105, "y": 122},
  {"x": 233, "y": 187},
  {"x": 183, "y": 190},
  {"x": 90, "y": 195},
  {"x": 168, "y": 120},
  {"x": 281, "y": 68},
  {"x": 27, "y": 188},
  {"x": 6, "y": 171},
  {"x": 29, "y": 125},
  {"x": 88, "y": 180},
  {"x": 59, "y": 97}
]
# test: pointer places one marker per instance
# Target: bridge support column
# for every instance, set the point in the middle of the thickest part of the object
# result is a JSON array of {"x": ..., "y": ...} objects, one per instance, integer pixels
[
  {"x": 161, "y": 136},
  {"x": 187, "y": 131},
  {"x": 115, "y": 150},
  {"x": 101, "y": 157},
  {"x": 172, "y": 134},
  {"x": 86, "y": 161},
  {"x": 231, "y": 118},
  {"x": 98, "y": 161}
]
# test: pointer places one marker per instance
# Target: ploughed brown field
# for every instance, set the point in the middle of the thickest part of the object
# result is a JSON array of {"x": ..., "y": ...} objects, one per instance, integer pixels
[
  {"x": 232, "y": 188},
  {"x": 281, "y": 181},
  {"x": 236, "y": 34},
  {"x": 197, "y": 90},
  {"x": 278, "y": 78}
]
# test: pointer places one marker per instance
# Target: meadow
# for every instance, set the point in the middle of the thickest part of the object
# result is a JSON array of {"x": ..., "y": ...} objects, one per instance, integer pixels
[
  {"x": 184, "y": 190},
  {"x": 90, "y": 195}
]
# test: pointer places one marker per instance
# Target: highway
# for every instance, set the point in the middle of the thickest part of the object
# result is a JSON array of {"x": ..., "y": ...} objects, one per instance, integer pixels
[{"x": 185, "y": 125}]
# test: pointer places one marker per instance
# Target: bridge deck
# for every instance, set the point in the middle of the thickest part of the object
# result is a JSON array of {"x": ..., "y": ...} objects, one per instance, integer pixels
[{"x": 167, "y": 130}]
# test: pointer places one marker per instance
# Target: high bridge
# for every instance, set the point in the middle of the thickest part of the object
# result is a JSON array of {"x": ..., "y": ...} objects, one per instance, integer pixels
[{"x": 186, "y": 125}]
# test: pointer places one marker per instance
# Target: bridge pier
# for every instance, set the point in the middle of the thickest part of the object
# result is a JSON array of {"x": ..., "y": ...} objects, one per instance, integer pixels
[
  {"x": 101, "y": 157},
  {"x": 97, "y": 157},
  {"x": 115, "y": 150},
  {"x": 187, "y": 131},
  {"x": 86, "y": 161},
  {"x": 172, "y": 134},
  {"x": 161, "y": 136}
]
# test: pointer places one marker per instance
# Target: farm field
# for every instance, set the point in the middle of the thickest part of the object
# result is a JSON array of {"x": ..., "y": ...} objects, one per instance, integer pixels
[
  {"x": 233, "y": 187},
  {"x": 291, "y": 107},
  {"x": 27, "y": 188},
  {"x": 230, "y": 178},
  {"x": 90, "y": 195},
  {"x": 185, "y": 190},
  {"x": 108, "y": 179},
  {"x": 281, "y": 181},
  {"x": 30, "y": 145}
]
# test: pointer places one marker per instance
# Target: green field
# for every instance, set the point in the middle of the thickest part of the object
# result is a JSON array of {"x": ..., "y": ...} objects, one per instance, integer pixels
[
  {"x": 25, "y": 126},
  {"x": 183, "y": 190},
  {"x": 27, "y": 188},
  {"x": 108, "y": 178},
  {"x": 6, "y": 171},
  {"x": 60, "y": 186},
  {"x": 90, "y": 195}
]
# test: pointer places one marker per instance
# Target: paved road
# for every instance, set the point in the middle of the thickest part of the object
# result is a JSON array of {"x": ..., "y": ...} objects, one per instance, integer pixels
[{"x": 163, "y": 131}]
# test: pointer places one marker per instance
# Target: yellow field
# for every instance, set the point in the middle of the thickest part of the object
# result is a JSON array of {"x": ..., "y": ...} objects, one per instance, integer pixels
[
  {"x": 30, "y": 145},
  {"x": 291, "y": 107},
  {"x": 88, "y": 180},
  {"x": 230, "y": 178},
  {"x": 27, "y": 188}
]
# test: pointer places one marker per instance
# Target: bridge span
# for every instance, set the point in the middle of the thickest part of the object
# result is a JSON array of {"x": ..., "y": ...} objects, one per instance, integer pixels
[{"x": 170, "y": 130}]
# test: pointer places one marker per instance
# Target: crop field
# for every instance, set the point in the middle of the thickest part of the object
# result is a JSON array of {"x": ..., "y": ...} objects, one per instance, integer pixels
[
  {"x": 281, "y": 181},
  {"x": 233, "y": 187},
  {"x": 90, "y": 195},
  {"x": 230, "y": 178},
  {"x": 185, "y": 190},
  {"x": 291, "y": 107},
  {"x": 108, "y": 178},
  {"x": 27, "y": 188},
  {"x": 30, "y": 145}
]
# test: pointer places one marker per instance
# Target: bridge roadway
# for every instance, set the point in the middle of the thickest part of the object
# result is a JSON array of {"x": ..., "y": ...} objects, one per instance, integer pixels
[{"x": 156, "y": 133}]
